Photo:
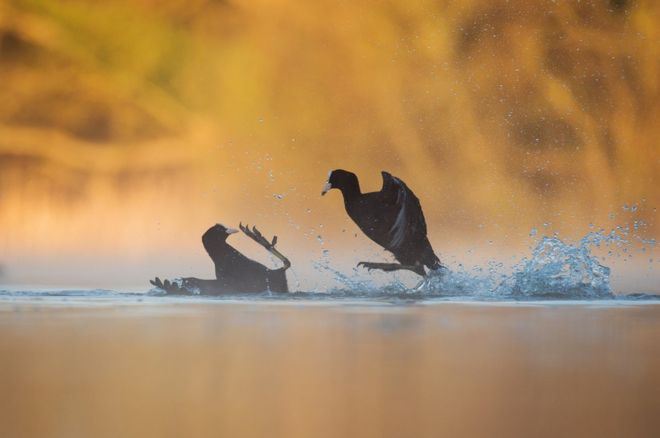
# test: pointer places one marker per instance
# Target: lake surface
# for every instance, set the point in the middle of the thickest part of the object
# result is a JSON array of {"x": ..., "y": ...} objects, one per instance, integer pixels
[{"x": 105, "y": 364}]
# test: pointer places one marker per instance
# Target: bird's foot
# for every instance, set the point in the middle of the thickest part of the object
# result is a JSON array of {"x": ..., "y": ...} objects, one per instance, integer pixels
[
  {"x": 256, "y": 235},
  {"x": 387, "y": 267},
  {"x": 170, "y": 287}
]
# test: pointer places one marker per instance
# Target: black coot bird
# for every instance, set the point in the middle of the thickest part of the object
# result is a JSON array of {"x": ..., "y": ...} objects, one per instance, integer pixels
[
  {"x": 392, "y": 218},
  {"x": 234, "y": 272}
]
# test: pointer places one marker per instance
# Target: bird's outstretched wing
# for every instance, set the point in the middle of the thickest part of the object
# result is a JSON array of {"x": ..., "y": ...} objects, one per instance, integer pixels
[{"x": 409, "y": 224}]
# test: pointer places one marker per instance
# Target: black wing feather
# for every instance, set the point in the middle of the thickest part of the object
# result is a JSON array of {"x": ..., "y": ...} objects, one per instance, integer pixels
[{"x": 409, "y": 224}]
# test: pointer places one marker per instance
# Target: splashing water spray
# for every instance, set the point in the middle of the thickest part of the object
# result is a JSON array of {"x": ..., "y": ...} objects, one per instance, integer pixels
[{"x": 555, "y": 270}]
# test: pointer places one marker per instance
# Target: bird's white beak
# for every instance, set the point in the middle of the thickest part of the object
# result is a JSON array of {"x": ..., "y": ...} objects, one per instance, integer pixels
[
  {"x": 326, "y": 187},
  {"x": 231, "y": 230}
]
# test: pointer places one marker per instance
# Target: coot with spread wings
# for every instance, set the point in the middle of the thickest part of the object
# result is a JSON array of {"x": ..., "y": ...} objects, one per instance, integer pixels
[{"x": 392, "y": 218}]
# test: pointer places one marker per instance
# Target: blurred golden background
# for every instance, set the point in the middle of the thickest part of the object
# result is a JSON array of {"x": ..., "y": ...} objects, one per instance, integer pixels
[{"x": 127, "y": 127}]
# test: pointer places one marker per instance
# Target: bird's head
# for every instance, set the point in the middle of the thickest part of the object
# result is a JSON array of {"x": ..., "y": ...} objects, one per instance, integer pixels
[
  {"x": 216, "y": 235},
  {"x": 340, "y": 179}
]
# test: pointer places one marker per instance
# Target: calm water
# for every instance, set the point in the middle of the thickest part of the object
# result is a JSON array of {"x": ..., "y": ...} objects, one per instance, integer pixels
[{"x": 105, "y": 364}]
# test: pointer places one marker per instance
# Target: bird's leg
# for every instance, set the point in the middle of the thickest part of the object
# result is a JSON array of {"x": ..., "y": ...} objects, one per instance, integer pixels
[
  {"x": 422, "y": 285},
  {"x": 256, "y": 235},
  {"x": 389, "y": 267}
]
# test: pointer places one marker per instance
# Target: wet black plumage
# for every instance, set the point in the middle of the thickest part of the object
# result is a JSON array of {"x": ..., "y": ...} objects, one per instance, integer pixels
[
  {"x": 235, "y": 273},
  {"x": 392, "y": 217}
]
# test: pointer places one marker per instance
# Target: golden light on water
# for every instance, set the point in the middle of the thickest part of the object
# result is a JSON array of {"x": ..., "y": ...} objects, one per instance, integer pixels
[
  {"x": 268, "y": 369},
  {"x": 126, "y": 128}
]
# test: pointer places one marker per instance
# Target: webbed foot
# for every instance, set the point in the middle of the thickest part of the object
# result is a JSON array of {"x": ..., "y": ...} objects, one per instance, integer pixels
[
  {"x": 170, "y": 287},
  {"x": 256, "y": 235}
]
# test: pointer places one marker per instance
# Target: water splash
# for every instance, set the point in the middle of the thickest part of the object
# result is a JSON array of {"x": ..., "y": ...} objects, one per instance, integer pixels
[
  {"x": 455, "y": 283},
  {"x": 556, "y": 269},
  {"x": 560, "y": 270},
  {"x": 356, "y": 285}
]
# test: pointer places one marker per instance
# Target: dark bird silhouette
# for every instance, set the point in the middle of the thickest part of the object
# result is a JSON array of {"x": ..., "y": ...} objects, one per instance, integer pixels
[
  {"x": 235, "y": 273},
  {"x": 392, "y": 218}
]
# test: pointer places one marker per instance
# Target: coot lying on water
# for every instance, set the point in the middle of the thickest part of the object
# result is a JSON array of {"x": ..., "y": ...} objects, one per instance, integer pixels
[
  {"x": 235, "y": 273},
  {"x": 392, "y": 218}
]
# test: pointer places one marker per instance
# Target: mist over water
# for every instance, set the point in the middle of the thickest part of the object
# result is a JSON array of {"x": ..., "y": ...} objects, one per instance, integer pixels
[{"x": 128, "y": 127}]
